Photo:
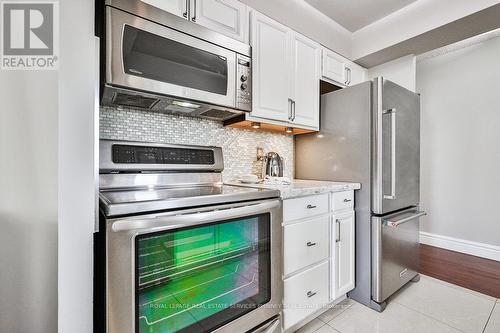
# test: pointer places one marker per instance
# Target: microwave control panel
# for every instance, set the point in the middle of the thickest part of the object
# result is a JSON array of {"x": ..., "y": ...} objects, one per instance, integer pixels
[{"x": 244, "y": 83}]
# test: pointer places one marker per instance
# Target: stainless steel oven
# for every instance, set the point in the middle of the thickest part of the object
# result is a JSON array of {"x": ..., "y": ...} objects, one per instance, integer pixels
[
  {"x": 184, "y": 252},
  {"x": 158, "y": 61}
]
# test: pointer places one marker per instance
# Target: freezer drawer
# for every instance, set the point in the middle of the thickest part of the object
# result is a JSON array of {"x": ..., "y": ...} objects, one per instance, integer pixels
[{"x": 395, "y": 252}]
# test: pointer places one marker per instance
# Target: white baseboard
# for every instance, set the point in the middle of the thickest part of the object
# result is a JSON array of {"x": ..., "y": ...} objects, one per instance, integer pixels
[{"x": 461, "y": 245}]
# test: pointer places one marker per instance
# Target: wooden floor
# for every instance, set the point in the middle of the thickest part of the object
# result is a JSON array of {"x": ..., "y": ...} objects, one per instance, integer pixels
[{"x": 482, "y": 275}]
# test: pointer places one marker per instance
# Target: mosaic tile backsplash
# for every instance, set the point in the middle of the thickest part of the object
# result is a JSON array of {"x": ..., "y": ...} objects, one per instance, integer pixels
[{"x": 239, "y": 146}]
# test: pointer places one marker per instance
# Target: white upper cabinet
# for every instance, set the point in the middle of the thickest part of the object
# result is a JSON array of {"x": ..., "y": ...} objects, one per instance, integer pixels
[
  {"x": 228, "y": 17},
  {"x": 341, "y": 70},
  {"x": 286, "y": 73},
  {"x": 306, "y": 60},
  {"x": 177, "y": 7},
  {"x": 356, "y": 74},
  {"x": 333, "y": 66},
  {"x": 271, "y": 68}
]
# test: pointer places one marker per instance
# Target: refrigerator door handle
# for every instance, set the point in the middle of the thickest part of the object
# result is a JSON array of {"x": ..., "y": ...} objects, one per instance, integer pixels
[{"x": 392, "y": 113}]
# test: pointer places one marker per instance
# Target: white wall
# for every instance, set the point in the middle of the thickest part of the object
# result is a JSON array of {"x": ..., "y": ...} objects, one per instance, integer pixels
[
  {"x": 303, "y": 18},
  {"x": 460, "y": 156},
  {"x": 28, "y": 201},
  {"x": 401, "y": 71},
  {"x": 77, "y": 82}
]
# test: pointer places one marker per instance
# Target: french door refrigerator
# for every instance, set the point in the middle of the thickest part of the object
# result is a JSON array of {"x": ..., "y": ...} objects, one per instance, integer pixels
[{"x": 370, "y": 133}]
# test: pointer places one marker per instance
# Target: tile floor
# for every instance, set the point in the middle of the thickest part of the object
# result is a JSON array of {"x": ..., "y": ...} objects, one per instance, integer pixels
[{"x": 429, "y": 306}]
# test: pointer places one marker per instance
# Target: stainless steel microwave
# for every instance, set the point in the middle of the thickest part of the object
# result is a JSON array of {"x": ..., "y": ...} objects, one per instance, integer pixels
[{"x": 158, "y": 61}]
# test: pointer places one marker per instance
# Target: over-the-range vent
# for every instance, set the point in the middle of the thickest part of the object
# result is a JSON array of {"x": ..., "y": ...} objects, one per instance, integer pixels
[
  {"x": 217, "y": 114},
  {"x": 135, "y": 101}
]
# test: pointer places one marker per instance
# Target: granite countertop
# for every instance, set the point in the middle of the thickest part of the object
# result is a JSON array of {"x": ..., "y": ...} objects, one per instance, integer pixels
[{"x": 299, "y": 187}]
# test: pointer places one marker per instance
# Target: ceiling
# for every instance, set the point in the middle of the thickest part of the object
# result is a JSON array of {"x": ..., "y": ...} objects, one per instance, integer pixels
[{"x": 356, "y": 14}]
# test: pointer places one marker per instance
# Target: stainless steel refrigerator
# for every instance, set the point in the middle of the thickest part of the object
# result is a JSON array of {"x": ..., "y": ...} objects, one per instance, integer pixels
[{"x": 370, "y": 133}]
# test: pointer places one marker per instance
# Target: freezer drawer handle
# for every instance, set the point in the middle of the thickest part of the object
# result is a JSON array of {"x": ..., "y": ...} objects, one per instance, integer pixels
[
  {"x": 311, "y": 206},
  {"x": 408, "y": 219},
  {"x": 310, "y": 244},
  {"x": 311, "y": 294}
]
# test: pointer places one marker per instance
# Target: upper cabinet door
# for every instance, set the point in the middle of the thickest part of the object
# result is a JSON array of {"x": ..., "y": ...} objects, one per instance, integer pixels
[
  {"x": 334, "y": 67},
  {"x": 271, "y": 68},
  {"x": 306, "y": 71},
  {"x": 228, "y": 17},
  {"x": 355, "y": 74},
  {"x": 177, "y": 7}
]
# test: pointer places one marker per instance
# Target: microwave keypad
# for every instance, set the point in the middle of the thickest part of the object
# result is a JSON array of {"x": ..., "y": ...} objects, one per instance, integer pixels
[{"x": 244, "y": 84}]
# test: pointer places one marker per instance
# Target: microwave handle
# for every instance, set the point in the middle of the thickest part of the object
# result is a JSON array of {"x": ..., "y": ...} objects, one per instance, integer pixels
[{"x": 161, "y": 223}]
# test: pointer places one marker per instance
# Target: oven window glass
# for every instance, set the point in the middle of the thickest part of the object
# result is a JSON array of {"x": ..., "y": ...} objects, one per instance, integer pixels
[
  {"x": 198, "y": 279},
  {"x": 154, "y": 57}
]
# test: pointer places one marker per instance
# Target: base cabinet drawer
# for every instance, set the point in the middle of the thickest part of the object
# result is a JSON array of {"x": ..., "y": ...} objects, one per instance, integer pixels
[
  {"x": 342, "y": 200},
  {"x": 305, "y": 293},
  {"x": 299, "y": 208},
  {"x": 305, "y": 243}
]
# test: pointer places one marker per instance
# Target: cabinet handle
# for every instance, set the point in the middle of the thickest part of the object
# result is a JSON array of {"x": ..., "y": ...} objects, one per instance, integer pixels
[
  {"x": 347, "y": 76},
  {"x": 311, "y": 206},
  {"x": 310, "y": 244},
  {"x": 186, "y": 13},
  {"x": 337, "y": 236},
  {"x": 347, "y": 200},
  {"x": 293, "y": 110},
  {"x": 311, "y": 293},
  {"x": 194, "y": 15},
  {"x": 290, "y": 109}
]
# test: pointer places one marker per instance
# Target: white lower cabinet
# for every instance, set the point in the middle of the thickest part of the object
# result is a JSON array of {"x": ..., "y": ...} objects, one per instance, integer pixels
[
  {"x": 305, "y": 293},
  {"x": 305, "y": 244},
  {"x": 318, "y": 254},
  {"x": 305, "y": 207},
  {"x": 342, "y": 255}
]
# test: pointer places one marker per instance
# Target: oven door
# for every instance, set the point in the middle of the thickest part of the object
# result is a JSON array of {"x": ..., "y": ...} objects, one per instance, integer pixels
[
  {"x": 150, "y": 57},
  {"x": 199, "y": 270}
]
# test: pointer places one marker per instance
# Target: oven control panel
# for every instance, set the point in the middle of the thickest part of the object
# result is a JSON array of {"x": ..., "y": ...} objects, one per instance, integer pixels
[
  {"x": 244, "y": 83},
  {"x": 128, "y": 154}
]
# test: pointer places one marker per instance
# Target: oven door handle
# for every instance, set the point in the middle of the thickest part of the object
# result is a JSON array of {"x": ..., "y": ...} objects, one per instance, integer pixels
[{"x": 161, "y": 223}]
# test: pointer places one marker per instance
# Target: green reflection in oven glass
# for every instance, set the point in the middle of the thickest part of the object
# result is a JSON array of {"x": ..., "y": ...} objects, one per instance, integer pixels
[{"x": 189, "y": 275}]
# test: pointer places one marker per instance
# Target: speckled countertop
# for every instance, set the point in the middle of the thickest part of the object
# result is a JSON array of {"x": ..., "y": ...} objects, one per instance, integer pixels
[{"x": 300, "y": 188}]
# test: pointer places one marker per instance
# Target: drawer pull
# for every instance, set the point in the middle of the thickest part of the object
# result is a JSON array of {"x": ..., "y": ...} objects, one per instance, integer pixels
[
  {"x": 310, "y": 244},
  {"x": 347, "y": 200},
  {"x": 310, "y": 294},
  {"x": 311, "y": 206}
]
